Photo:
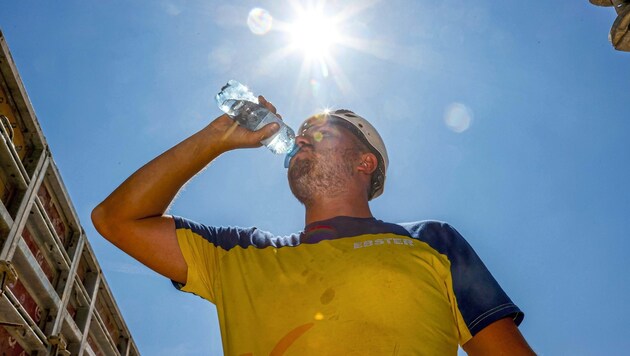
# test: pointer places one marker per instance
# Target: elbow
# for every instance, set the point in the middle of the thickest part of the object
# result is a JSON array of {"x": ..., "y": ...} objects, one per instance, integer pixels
[{"x": 102, "y": 221}]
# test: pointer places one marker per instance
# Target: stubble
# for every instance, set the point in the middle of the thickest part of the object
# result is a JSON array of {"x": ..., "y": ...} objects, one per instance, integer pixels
[{"x": 326, "y": 173}]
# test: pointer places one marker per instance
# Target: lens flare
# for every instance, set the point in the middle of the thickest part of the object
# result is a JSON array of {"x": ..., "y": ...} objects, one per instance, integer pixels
[
  {"x": 319, "y": 120},
  {"x": 259, "y": 21},
  {"x": 458, "y": 117},
  {"x": 314, "y": 87}
]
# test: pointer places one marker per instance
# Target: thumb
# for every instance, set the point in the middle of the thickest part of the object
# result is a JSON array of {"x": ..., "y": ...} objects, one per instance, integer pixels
[{"x": 268, "y": 130}]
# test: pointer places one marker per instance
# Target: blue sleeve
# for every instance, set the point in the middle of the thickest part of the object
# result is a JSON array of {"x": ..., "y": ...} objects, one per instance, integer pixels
[
  {"x": 480, "y": 298},
  {"x": 230, "y": 237}
]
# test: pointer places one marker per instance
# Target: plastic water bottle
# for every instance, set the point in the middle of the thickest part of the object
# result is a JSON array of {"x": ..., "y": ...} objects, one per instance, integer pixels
[{"x": 242, "y": 105}]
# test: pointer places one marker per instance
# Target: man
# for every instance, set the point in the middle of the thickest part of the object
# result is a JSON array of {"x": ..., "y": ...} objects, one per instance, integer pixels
[{"x": 348, "y": 284}]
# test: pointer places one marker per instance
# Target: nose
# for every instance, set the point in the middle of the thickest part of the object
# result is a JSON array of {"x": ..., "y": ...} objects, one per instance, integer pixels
[{"x": 302, "y": 140}]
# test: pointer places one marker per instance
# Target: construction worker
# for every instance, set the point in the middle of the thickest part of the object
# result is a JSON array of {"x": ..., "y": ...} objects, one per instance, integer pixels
[{"x": 347, "y": 284}]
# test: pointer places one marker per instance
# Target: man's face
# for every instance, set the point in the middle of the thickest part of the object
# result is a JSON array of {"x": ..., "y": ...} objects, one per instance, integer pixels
[{"x": 326, "y": 161}]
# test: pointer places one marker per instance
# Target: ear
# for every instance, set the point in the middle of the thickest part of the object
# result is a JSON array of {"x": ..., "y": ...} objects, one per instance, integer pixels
[{"x": 368, "y": 163}]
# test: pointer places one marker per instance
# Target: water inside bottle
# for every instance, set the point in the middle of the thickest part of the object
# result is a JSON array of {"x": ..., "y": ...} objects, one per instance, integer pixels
[
  {"x": 231, "y": 106},
  {"x": 280, "y": 143},
  {"x": 283, "y": 141},
  {"x": 233, "y": 90},
  {"x": 239, "y": 103}
]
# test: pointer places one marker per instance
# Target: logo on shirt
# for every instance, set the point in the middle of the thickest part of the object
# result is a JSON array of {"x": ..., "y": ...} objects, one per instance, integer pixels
[{"x": 386, "y": 241}]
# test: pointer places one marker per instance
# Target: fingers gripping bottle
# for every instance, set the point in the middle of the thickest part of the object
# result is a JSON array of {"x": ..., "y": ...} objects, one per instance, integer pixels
[{"x": 242, "y": 106}]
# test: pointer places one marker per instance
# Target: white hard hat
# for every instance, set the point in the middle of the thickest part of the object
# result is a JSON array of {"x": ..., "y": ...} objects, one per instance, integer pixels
[{"x": 369, "y": 136}]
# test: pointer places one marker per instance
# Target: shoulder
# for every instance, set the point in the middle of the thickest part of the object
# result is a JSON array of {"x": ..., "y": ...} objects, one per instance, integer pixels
[
  {"x": 440, "y": 235},
  {"x": 424, "y": 226}
]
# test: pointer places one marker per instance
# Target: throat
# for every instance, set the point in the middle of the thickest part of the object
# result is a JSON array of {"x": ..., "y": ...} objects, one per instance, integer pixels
[{"x": 327, "y": 208}]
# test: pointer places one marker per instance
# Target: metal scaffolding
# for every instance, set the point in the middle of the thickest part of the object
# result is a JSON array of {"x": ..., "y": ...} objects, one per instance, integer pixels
[{"x": 54, "y": 299}]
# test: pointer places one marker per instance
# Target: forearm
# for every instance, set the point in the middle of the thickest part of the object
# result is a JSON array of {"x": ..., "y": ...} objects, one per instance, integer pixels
[
  {"x": 149, "y": 191},
  {"x": 499, "y": 338}
]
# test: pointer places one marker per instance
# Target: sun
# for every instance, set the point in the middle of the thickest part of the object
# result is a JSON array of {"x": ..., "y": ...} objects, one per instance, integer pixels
[
  {"x": 318, "y": 32},
  {"x": 313, "y": 33}
]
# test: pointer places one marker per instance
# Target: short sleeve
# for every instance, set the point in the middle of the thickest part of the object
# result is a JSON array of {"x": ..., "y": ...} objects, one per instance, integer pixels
[
  {"x": 479, "y": 297},
  {"x": 199, "y": 251}
]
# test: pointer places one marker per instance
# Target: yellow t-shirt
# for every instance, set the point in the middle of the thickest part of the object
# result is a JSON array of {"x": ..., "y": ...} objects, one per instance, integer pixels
[{"x": 345, "y": 286}]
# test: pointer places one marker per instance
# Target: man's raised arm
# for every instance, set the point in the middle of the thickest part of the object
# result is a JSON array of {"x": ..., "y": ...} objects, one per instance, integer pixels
[{"x": 133, "y": 216}]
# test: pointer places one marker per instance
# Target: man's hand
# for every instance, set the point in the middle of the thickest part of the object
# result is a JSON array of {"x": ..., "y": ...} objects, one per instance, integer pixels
[{"x": 233, "y": 136}]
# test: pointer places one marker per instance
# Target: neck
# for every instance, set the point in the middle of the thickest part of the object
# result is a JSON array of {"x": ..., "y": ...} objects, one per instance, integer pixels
[{"x": 327, "y": 208}]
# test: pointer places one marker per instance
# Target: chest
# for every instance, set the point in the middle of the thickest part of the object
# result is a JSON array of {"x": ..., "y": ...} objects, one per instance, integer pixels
[
  {"x": 362, "y": 275},
  {"x": 361, "y": 293}
]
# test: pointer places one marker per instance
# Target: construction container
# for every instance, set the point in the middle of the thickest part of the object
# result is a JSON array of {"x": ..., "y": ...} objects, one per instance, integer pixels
[{"x": 54, "y": 299}]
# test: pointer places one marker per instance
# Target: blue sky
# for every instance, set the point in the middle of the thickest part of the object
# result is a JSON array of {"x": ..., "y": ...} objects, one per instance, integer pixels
[{"x": 532, "y": 169}]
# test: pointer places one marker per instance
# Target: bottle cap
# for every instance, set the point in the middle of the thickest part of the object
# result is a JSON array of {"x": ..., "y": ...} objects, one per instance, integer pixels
[{"x": 290, "y": 155}]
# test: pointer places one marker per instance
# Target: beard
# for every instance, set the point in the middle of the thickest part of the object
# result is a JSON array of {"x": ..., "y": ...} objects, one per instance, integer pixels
[{"x": 326, "y": 173}]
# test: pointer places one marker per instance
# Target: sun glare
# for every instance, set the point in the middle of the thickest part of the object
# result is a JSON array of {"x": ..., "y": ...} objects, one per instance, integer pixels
[
  {"x": 314, "y": 34},
  {"x": 317, "y": 32}
]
